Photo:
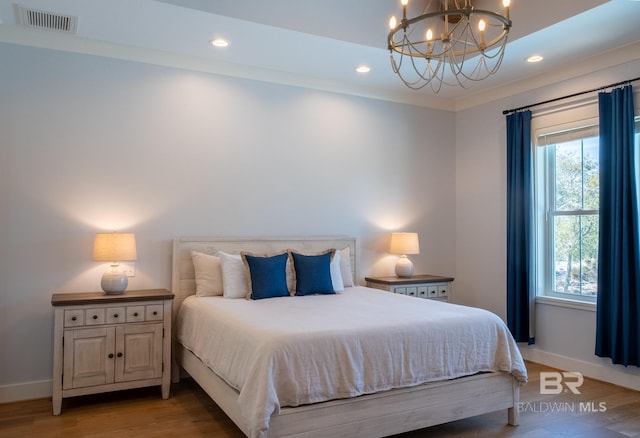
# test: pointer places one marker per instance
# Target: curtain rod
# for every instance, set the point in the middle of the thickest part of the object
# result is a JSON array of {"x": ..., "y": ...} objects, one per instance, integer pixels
[{"x": 628, "y": 81}]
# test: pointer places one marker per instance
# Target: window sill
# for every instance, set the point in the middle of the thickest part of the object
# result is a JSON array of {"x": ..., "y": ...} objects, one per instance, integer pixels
[{"x": 563, "y": 302}]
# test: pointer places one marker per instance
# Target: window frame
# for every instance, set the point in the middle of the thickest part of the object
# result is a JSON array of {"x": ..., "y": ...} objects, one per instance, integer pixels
[
  {"x": 551, "y": 212},
  {"x": 554, "y": 127}
]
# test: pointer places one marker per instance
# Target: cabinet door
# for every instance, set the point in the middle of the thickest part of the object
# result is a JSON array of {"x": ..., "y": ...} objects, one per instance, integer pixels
[
  {"x": 88, "y": 357},
  {"x": 138, "y": 352}
]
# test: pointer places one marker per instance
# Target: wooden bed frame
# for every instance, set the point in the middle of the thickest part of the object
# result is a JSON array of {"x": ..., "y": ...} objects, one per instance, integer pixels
[{"x": 375, "y": 415}]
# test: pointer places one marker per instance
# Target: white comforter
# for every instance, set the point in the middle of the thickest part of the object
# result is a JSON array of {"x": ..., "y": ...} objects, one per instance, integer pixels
[{"x": 297, "y": 350}]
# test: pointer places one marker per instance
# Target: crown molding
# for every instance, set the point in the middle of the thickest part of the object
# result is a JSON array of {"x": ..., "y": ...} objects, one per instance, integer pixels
[{"x": 618, "y": 56}]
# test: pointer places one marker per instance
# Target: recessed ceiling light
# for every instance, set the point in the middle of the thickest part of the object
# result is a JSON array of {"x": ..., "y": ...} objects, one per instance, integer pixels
[
  {"x": 363, "y": 69},
  {"x": 535, "y": 58},
  {"x": 219, "y": 42}
]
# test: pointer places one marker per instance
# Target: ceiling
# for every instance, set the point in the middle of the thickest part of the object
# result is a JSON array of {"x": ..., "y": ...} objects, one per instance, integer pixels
[{"x": 319, "y": 43}]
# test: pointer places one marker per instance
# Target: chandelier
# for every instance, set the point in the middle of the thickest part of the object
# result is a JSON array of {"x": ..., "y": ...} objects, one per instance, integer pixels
[{"x": 450, "y": 43}]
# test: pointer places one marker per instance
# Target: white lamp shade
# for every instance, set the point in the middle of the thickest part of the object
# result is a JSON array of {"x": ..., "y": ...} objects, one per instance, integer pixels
[
  {"x": 404, "y": 243},
  {"x": 114, "y": 247}
]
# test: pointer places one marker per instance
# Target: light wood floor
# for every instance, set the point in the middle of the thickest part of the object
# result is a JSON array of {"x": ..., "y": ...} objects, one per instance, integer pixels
[{"x": 190, "y": 413}]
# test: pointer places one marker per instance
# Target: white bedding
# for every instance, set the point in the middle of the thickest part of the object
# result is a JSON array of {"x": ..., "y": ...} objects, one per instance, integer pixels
[{"x": 298, "y": 350}]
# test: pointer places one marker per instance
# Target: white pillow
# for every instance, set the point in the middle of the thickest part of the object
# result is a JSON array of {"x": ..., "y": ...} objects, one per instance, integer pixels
[
  {"x": 234, "y": 276},
  {"x": 208, "y": 274},
  {"x": 291, "y": 282},
  {"x": 345, "y": 267},
  {"x": 336, "y": 274}
]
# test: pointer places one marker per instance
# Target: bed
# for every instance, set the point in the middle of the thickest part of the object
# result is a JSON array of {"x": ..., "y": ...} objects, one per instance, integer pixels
[{"x": 294, "y": 390}]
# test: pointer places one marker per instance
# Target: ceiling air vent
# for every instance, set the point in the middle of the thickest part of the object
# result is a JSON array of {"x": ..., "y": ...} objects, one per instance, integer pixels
[{"x": 45, "y": 20}]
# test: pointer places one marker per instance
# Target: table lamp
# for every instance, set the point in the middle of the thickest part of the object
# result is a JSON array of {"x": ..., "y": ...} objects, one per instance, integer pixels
[
  {"x": 403, "y": 244},
  {"x": 114, "y": 248}
]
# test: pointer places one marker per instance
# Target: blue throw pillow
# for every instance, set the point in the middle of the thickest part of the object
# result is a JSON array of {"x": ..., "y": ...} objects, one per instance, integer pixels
[
  {"x": 267, "y": 276},
  {"x": 313, "y": 273}
]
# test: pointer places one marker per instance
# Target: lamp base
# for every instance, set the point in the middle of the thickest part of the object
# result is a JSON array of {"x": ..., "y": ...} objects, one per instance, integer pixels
[
  {"x": 114, "y": 281},
  {"x": 404, "y": 267}
]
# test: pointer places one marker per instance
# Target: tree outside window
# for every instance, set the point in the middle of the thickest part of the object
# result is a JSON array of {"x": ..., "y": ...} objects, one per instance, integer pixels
[{"x": 573, "y": 199}]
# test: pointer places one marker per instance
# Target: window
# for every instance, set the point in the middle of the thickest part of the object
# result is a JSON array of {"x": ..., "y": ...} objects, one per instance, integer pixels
[
  {"x": 567, "y": 198},
  {"x": 566, "y": 182}
]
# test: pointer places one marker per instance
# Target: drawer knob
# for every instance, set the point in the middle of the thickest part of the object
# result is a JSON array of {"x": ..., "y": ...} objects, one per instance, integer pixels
[
  {"x": 73, "y": 318},
  {"x": 110, "y": 355},
  {"x": 119, "y": 354},
  {"x": 95, "y": 316},
  {"x": 135, "y": 313},
  {"x": 155, "y": 312},
  {"x": 115, "y": 315}
]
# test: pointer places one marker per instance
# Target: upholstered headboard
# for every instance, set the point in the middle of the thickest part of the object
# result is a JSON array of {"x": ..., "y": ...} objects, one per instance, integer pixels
[{"x": 183, "y": 281}]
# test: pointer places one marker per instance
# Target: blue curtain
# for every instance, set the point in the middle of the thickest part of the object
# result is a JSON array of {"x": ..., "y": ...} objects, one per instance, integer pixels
[
  {"x": 520, "y": 291},
  {"x": 618, "y": 329}
]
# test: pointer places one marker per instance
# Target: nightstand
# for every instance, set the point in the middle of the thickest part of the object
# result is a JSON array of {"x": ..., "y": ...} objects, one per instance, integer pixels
[
  {"x": 110, "y": 342},
  {"x": 432, "y": 287}
]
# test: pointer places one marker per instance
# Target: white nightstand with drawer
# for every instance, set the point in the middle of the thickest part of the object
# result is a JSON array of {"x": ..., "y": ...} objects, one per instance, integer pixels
[
  {"x": 432, "y": 287},
  {"x": 110, "y": 342}
]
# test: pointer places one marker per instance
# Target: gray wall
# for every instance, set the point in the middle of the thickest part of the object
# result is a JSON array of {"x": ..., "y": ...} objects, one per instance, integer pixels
[{"x": 91, "y": 144}]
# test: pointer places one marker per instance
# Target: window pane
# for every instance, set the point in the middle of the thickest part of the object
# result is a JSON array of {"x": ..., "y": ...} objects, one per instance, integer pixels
[
  {"x": 575, "y": 254},
  {"x": 576, "y": 171},
  {"x": 591, "y": 179}
]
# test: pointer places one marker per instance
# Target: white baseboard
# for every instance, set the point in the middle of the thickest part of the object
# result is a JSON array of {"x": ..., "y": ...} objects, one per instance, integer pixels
[
  {"x": 26, "y": 391},
  {"x": 605, "y": 371}
]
